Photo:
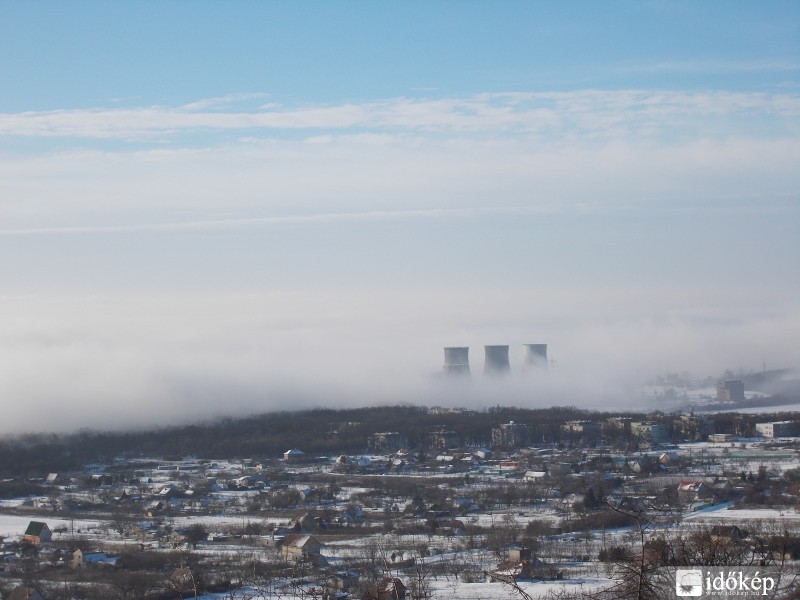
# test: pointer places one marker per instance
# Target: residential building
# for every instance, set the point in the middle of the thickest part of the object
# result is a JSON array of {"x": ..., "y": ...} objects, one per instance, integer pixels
[
  {"x": 442, "y": 439},
  {"x": 584, "y": 432},
  {"x": 779, "y": 429},
  {"x": 649, "y": 431},
  {"x": 692, "y": 427},
  {"x": 511, "y": 435},
  {"x": 386, "y": 441}
]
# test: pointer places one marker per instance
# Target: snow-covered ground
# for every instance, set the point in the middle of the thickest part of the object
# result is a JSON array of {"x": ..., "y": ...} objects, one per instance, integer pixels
[
  {"x": 726, "y": 512},
  {"x": 766, "y": 409},
  {"x": 14, "y": 526},
  {"x": 453, "y": 589}
]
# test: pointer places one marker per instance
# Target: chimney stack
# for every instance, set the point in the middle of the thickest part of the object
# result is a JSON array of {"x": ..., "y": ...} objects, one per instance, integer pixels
[
  {"x": 535, "y": 356},
  {"x": 456, "y": 361},
  {"x": 496, "y": 360}
]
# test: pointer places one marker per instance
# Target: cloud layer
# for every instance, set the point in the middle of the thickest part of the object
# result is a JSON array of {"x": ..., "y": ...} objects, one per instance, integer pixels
[
  {"x": 165, "y": 264},
  {"x": 129, "y": 360},
  {"x": 595, "y": 113}
]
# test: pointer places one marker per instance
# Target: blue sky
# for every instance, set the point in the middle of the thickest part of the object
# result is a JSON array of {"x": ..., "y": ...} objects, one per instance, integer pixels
[
  {"x": 80, "y": 54},
  {"x": 198, "y": 200}
]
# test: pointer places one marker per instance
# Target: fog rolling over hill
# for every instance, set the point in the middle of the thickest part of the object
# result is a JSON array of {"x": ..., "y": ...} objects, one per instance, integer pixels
[
  {"x": 209, "y": 209},
  {"x": 129, "y": 360}
]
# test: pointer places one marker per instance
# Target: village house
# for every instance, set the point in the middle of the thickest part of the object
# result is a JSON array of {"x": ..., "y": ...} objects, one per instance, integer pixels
[
  {"x": 518, "y": 553},
  {"x": 631, "y": 505},
  {"x": 636, "y": 466},
  {"x": 534, "y": 476},
  {"x": 304, "y": 522},
  {"x": 24, "y": 593},
  {"x": 389, "y": 588},
  {"x": 37, "y": 533},
  {"x": 464, "y": 504},
  {"x": 399, "y": 559},
  {"x": 657, "y": 552},
  {"x": 75, "y": 559},
  {"x": 155, "y": 508},
  {"x": 726, "y": 533},
  {"x": 294, "y": 455},
  {"x": 722, "y": 490},
  {"x": 101, "y": 479},
  {"x": 573, "y": 501},
  {"x": 690, "y": 491},
  {"x": 351, "y": 515},
  {"x": 78, "y": 558},
  {"x": 483, "y": 454},
  {"x": 559, "y": 469},
  {"x": 669, "y": 458},
  {"x": 509, "y": 571},
  {"x": 342, "y": 581},
  {"x": 298, "y": 546},
  {"x": 7, "y": 556},
  {"x": 183, "y": 579}
]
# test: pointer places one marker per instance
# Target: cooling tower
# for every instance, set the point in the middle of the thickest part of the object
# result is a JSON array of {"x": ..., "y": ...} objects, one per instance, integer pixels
[
  {"x": 456, "y": 361},
  {"x": 496, "y": 360},
  {"x": 535, "y": 356}
]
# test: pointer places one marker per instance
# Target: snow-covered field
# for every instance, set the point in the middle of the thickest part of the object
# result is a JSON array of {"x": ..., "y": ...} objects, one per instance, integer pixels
[
  {"x": 456, "y": 590},
  {"x": 747, "y": 515},
  {"x": 14, "y": 526}
]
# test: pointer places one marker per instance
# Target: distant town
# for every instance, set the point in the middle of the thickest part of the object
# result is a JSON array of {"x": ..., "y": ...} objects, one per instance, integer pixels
[{"x": 410, "y": 502}]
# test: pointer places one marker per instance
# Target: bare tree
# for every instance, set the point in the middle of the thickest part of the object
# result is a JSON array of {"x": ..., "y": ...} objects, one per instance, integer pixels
[{"x": 639, "y": 578}]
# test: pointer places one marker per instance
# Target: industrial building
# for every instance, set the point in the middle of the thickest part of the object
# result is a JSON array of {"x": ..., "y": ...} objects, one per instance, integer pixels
[
  {"x": 730, "y": 390},
  {"x": 496, "y": 359}
]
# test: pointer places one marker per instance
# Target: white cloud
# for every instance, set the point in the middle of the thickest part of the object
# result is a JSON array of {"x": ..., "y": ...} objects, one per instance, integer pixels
[
  {"x": 589, "y": 112},
  {"x": 439, "y": 222},
  {"x": 288, "y": 220},
  {"x": 709, "y": 66},
  {"x": 533, "y": 151},
  {"x": 293, "y": 179}
]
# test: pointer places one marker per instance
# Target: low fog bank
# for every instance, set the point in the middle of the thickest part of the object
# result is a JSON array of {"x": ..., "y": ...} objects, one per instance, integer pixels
[{"x": 127, "y": 361}]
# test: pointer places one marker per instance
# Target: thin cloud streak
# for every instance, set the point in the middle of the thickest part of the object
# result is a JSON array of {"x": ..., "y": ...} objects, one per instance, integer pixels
[
  {"x": 587, "y": 112},
  {"x": 296, "y": 219},
  {"x": 712, "y": 66},
  {"x": 252, "y": 182}
]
